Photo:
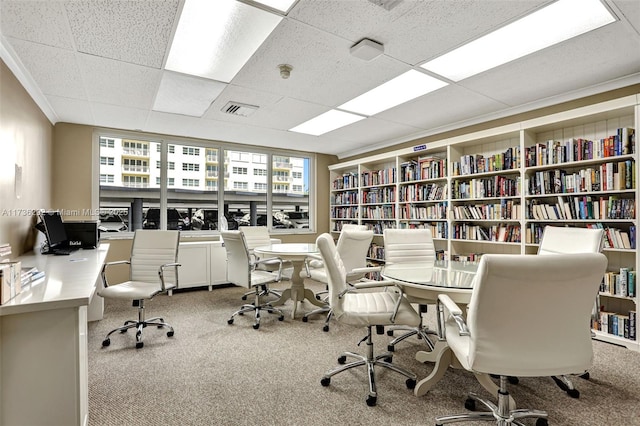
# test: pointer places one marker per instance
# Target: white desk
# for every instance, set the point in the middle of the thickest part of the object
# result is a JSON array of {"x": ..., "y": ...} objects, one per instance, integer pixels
[
  {"x": 426, "y": 282},
  {"x": 296, "y": 253},
  {"x": 43, "y": 335}
]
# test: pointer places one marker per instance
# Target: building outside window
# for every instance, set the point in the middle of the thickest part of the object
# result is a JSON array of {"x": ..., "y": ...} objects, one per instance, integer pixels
[{"x": 254, "y": 184}]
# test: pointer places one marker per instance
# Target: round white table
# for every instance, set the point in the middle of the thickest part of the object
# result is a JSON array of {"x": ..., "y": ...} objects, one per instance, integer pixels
[
  {"x": 426, "y": 282},
  {"x": 296, "y": 253}
]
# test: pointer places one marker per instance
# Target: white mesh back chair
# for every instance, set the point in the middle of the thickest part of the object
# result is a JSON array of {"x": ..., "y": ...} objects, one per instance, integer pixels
[
  {"x": 353, "y": 305},
  {"x": 353, "y": 246},
  {"x": 565, "y": 240},
  {"x": 153, "y": 270},
  {"x": 410, "y": 246},
  {"x": 242, "y": 271},
  {"x": 528, "y": 316}
]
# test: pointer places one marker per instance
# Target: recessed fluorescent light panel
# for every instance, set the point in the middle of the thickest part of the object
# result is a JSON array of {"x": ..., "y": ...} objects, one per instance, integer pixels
[
  {"x": 281, "y": 5},
  {"x": 327, "y": 122},
  {"x": 553, "y": 24},
  {"x": 214, "y": 39},
  {"x": 394, "y": 92},
  {"x": 185, "y": 94}
]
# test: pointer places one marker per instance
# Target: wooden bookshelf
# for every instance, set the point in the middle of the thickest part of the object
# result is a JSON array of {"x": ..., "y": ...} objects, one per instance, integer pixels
[{"x": 493, "y": 191}]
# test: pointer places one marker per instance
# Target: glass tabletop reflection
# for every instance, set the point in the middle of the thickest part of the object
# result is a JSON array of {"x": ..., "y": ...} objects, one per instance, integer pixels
[{"x": 442, "y": 274}]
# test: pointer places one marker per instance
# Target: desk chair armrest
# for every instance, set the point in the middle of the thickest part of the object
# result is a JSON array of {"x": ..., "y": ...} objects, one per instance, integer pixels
[
  {"x": 455, "y": 312},
  {"x": 103, "y": 275},
  {"x": 313, "y": 261},
  {"x": 161, "y": 272},
  {"x": 270, "y": 260},
  {"x": 384, "y": 283}
]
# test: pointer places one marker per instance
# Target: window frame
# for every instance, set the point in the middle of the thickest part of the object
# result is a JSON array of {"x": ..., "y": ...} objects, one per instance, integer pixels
[{"x": 168, "y": 145}]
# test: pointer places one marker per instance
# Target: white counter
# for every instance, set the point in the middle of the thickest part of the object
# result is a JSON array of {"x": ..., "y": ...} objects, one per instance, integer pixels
[{"x": 43, "y": 342}]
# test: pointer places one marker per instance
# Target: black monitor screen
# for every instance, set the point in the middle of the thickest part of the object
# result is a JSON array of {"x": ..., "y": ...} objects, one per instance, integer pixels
[{"x": 54, "y": 228}]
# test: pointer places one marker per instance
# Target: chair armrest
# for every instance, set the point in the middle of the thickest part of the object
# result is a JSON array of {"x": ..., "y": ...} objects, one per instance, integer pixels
[
  {"x": 161, "y": 272},
  {"x": 314, "y": 261},
  {"x": 270, "y": 260},
  {"x": 454, "y": 311},
  {"x": 384, "y": 283},
  {"x": 103, "y": 275}
]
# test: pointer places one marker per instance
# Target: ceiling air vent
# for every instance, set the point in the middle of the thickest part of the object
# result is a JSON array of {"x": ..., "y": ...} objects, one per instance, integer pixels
[
  {"x": 236, "y": 108},
  {"x": 387, "y": 4}
]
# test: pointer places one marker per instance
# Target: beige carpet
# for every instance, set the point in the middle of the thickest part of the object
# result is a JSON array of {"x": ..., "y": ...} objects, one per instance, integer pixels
[{"x": 211, "y": 373}]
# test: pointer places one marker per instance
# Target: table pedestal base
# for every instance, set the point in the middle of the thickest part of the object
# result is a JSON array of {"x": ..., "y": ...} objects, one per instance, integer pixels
[
  {"x": 297, "y": 292},
  {"x": 444, "y": 358}
]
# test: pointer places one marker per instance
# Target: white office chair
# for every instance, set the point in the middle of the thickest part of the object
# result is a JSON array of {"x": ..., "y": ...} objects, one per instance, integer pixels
[
  {"x": 242, "y": 271},
  {"x": 361, "y": 308},
  {"x": 256, "y": 236},
  {"x": 565, "y": 240},
  {"x": 153, "y": 270},
  {"x": 528, "y": 316},
  {"x": 410, "y": 246},
  {"x": 352, "y": 246}
]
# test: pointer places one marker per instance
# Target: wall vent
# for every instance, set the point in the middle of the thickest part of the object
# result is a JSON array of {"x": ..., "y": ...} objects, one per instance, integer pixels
[
  {"x": 387, "y": 4},
  {"x": 237, "y": 108}
]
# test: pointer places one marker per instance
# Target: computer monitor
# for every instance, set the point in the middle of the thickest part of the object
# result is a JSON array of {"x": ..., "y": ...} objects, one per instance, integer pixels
[{"x": 54, "y": 229}]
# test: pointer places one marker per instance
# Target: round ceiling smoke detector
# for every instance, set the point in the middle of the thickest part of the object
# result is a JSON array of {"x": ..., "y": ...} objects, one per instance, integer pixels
[{"x": 285, "y": 70}]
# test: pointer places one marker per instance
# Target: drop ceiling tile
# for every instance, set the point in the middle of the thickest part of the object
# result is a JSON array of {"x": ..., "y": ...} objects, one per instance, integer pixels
[
  {"x": 630, "y": 10},
  {"x": 43, "y": 22},
  {"x": 185, "y": 94},
  {"x": 371, "y": 130},
  {"x": 55, "y": 70},
  {"x": 72, "y": 110},
  {"x": 119, "y": 117},
  {"x": 137, "y": 32},
  {"x": 565, "y": 67},
  {"x": 323, "y": 72},
  {"x": 450, "y": 104},
  {"x": 119, "y": 83}
]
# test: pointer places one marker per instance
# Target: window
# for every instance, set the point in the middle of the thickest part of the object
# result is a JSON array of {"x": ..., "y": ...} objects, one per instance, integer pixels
[
  {"x": 191, "y": 182},
  {"x": 107, "y": 143},
  {"x": 189, "y": 197},
  {"x": 189, "y": 150},
  {"x": 240, "y": 185},
  {"x": 106, "y": 161},
  {"x": 190, "y": 167},
  {"x": 104, "y": 178}
]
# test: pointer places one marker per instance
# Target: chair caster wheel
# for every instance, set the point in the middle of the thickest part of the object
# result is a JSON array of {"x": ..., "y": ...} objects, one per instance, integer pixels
[
  {"x": 513, "y": 380},
  {"x": 241, "y": 313},
  {"x": 256, "y": 326},
  {"x": 325, "y": 328},
  {"x": 230, "y": 321},
  {"x": 305, "y": 319},
  {"x": 470, "y": 404},
  {"x": 318, "y": 297},
  {"x": 244, "y": 297},
  {"x": 542, "y": 422},
  {"x": 388, "y": 359},
  {"x": 139, "y": 345},
  {"x": 106, "y": 342},
  {"x": 342, "y": 359},
  {"x": 585, "y": 376},
  {"x": 281, "y": 318},
  {"x": 325, "y": 381},
  {"x": 573, "y": 393},
  {"x": 169, "y": 333},
  {"x": 411, "y": 383},
  {"x": 270, "y": 311},
  {"x": 123, "y": 331},
  {"x": 391, "y": 348},
  {"x": 371, "y": 401},
  {"x": 390, "y": 333}
]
